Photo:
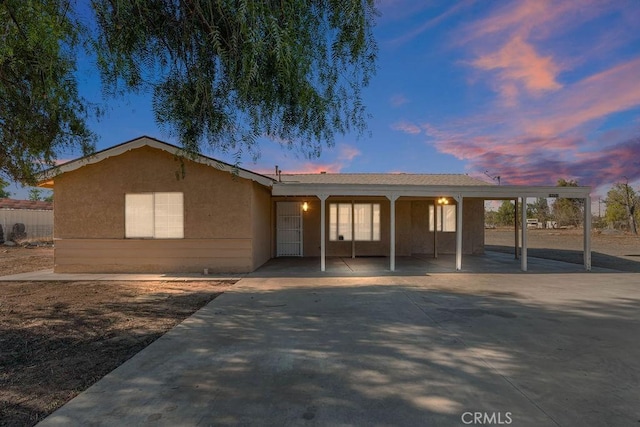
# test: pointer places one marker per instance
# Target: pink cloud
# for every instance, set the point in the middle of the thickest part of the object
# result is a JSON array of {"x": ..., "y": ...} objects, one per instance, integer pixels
[
  {"x": 347, "y": 153},
  {"x": 518, "y": 63},
  {"x": 522, "y": 17},
  {"x": 343, "y": 154},
  {"x": 398, "y": 100},
  {"x": 595, "y": 97},
  {"x": 406, "y": 127}
]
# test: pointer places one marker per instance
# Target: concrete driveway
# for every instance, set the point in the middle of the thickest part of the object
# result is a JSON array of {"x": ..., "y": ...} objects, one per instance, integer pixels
[{"x": 439, "y": 350}]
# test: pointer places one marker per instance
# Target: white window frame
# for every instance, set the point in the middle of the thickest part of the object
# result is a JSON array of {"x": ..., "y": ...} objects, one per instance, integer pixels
[
  {"x": 342, "y": 222},
  {"x": 158, "y": 215},
  {"x": 447, "y": 222}
]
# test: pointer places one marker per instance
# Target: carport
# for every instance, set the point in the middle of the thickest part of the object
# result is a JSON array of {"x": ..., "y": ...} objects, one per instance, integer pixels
[{"x": 457, "y": 193}]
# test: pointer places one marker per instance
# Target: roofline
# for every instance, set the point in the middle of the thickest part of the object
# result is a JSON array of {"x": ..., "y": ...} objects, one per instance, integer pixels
[
  {"x": 489, "y": 192},
  {"x": 148, "y": 141}
]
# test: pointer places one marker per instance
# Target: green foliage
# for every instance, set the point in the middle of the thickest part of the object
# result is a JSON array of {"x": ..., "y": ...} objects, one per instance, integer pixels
[
  {"x": 41, "y": 112},
  {"x": 220, "y": 72},
  {"x": 230, "y": 72},
  {"x": 568, "y": 211},
  {"x": 4, "y": 194},
  {"x": 35, "y": 194},
  {"x": 623, "y": 207},
  {"x": 506, "y": 213},
  {"x": 539, "y": 210}
]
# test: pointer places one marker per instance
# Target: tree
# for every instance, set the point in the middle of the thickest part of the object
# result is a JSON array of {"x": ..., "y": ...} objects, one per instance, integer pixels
[
  {"x": 623, "y": 204},
  {"x": 35, "y": 194},
  {"x": 4, "y": 194},
  {"x": 41, "y": 112},
  {"x": 539, "y": 209},
  {"x": 568, "y": 211},
  {"x": 506, "y": 213},
  {"x": 223, "y": 73}
]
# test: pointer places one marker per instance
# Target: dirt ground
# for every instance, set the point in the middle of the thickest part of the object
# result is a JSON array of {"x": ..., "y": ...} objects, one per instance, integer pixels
[
  {"x": 610, "y": 249},
  {"x": 18, "y": 259},
  {"x": 58, "y": 338}
]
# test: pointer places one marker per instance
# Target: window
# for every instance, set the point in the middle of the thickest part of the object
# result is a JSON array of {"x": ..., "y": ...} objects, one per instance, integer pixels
[
  {"x": 446, "y": 218},
  {"x": 361, "y": 220},
  {"x": 154, "y": 216}
]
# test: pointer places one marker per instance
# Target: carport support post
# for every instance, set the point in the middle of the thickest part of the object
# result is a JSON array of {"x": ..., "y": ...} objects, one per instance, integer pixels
[
  {"x": 392, "y": 241},
  {"x": 515, "y": 227},
  {"x": 459, "y": 233},
  {"x": 586, "y": 228},
  {"x": 323, "y": 232},
  {"x": 523, "y": 255}
]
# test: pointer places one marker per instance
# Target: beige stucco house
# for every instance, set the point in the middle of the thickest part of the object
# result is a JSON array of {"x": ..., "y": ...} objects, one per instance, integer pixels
[{"x": 144, "y": 206}]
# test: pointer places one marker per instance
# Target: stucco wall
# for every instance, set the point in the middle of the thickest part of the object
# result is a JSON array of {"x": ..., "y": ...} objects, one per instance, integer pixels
[
  {"x": 90, "y": 207},
  {"x": 412, "y": 229},
  {"x": 261, "y": 224},
  {"x": 152, "y": 255}
]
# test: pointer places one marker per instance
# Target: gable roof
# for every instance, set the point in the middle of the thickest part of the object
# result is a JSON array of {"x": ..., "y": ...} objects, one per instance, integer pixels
[
  {"x": 46, "y": 177},
  {"x": 26, "y": 204},
  {"x": 381, "y": 179}
]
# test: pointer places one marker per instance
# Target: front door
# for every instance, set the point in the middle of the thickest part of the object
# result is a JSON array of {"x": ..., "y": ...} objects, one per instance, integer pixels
[{"x": 289, "y": 229}]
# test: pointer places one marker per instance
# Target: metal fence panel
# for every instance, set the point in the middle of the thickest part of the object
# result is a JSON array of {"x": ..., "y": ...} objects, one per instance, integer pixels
[{"x": 38, "y": 223}]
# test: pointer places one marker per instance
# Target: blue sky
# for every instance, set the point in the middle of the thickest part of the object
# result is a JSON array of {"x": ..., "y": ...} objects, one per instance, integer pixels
[{"x": 530, "y": 90}]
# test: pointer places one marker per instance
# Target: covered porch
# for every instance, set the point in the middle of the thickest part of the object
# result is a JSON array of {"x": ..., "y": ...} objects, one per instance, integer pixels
[{"x": 456, "y": 194}]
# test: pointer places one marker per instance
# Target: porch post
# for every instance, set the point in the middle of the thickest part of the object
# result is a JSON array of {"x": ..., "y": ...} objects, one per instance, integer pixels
[
  {"x": 435, "y": 228},
  {"x": 323, "y": 232},
  {"x": 459, "y": 199},
  {"x": 515, "y": 227},
  {"x": 586, "y": 228},
  {"x": 523, "y": 255},
  {"x": 392, "y": 250}
]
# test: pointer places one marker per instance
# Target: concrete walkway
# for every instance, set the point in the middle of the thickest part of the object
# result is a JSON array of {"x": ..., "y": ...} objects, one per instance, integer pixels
[
  {"x": 538, "y": 350},
  {"x": 490, "y": 262},
  {"x": 50, "y": 276}
]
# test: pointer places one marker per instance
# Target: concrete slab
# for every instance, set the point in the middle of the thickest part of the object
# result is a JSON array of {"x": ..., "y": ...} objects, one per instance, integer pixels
[
  {"x": 490, "y": 262},
  {"x": 50, "y": 276},
  {"x": 537, "y": 350}
]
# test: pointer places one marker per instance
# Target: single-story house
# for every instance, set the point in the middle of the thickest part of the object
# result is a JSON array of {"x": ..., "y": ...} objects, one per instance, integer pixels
[{"x": 146, "y": 206}]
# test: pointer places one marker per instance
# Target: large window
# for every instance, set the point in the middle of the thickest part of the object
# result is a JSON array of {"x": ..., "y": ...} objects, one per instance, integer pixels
[
  {"x": 361, "y": 220},
  {"x": 446, "y": 218},
  {"x": 154, "y": 216}
]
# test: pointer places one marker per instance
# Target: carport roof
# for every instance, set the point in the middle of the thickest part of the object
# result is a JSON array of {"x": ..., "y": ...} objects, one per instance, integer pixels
[{"x": 380, "y": 179}]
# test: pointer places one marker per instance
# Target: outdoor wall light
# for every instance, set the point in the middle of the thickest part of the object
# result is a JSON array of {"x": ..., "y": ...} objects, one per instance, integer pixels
[
  {"x": 305, "y": 206},
  {"x": 443, "y": 201}
]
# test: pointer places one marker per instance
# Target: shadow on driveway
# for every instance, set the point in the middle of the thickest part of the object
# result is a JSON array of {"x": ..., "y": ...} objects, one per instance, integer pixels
[{"x": 548, "y": 350}]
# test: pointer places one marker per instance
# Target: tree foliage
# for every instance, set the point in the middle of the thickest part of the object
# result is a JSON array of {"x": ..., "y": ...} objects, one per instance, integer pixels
[
  {"x": 4, "y": 194},
  {"x": 623, "y": 206},
  {"x": 506, "y": 213},
  {"x": 41, "y": 111},
  {"x": 568, "y": 211},
  {"x": 539, "y": 210},
  {"x": 230, "y": 72},
  {"x": 220, "y": 72},
  {"x": 35, "y": 194}
]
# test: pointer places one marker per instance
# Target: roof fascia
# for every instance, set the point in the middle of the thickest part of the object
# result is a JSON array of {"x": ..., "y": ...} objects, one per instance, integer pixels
[
  {"x": 488, "y": 192},
  {"x": 154, "y": 143}
]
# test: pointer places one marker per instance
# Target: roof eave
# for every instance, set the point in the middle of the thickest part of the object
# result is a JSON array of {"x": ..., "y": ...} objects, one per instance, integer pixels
[
  {"x": 46, "y": 178},
  {"x": 479, "y": 191}
]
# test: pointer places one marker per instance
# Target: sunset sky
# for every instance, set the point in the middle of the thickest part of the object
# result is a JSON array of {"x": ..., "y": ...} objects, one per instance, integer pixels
[{"x": 532, "y": 91}]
